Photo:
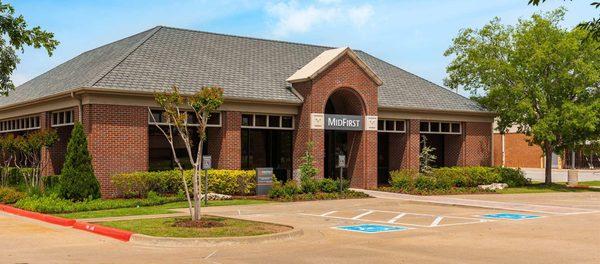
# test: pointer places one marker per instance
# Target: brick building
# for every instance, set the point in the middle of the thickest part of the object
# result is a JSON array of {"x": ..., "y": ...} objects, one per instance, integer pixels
[{"x": 278, "y": 97}]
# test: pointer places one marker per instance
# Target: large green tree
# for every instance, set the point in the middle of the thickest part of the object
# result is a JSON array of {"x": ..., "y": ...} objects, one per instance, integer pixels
[
  {"x": 592, "y": 26},
  {"x": 536, "y": 75},
  {"x": 15, "y": 37}
]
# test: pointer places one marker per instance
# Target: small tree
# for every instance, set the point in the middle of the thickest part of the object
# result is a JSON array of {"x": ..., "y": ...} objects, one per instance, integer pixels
[
  {"x": 29, "y": 155},
  {"x": 7, "y": 154},
  {"x": 202, "y": 103},
  {"x": 426, "y": 157},
  {"x": 308, "y": 171},
  {"x": 77, "y": 180}
]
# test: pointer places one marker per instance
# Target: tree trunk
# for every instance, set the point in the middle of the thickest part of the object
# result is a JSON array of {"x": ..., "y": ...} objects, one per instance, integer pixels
[
  {"x": 196, "y": 194},
  {"x": 548, "y": 170}
]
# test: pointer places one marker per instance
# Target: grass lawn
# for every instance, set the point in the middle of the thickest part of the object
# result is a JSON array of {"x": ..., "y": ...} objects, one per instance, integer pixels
[
  {"x": 590, "y": 183},
  {"x": 164, "y": 227},
  {"x": 158, "y": 209},
  {"x": 542, "y": 188}
]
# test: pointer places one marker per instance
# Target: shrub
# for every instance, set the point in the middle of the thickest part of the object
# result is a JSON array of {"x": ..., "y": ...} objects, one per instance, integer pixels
[
  {"x": 54, "y": 204},
  {"x": 138, "y": 184},
  {"x": 12, "y": 176},
  {"x": 403, "y": 179},
  {"x": 10, "y": 195},
  {"x": 329, "y": 186},
  {"x": 425, "y": 183},
  {"x": 310, "y": 185},
  {"x": 78, "y": 181},
  {"x": 512, "y": 177},
  {"x": 467, "y": 176}
]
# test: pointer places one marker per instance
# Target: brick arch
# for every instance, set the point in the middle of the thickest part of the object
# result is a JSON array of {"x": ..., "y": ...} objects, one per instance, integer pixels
[{"x": 351, "y": 100}]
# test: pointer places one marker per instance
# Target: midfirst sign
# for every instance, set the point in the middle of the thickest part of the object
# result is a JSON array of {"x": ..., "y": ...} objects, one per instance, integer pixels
[{"x": 343, "y": 122}]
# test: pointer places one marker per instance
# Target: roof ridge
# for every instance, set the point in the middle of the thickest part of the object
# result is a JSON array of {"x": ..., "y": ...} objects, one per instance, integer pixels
[
  {"x": 109, "y": 68},
  {"x": 251, "y": 38},
  {"x": 435, "y": 84}
]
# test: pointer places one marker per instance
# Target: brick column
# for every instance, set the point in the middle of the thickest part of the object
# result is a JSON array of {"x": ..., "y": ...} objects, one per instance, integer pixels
[
  {"x": 117, "y": 141},
  {"x": 228, "y": 137},
  {"x": 46, "y": 155},
  {"x": 477, "y": 146},
  {"x": 412, "y": 147}
]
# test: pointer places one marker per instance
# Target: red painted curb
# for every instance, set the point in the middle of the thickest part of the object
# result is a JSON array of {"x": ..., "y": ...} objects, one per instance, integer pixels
[
  {"x": 38, "y": 216},
  {"x": 103, "y": 230}
]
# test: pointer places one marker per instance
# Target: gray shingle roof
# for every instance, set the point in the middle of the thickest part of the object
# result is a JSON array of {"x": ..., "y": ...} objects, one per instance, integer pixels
[{"x": 246, "y": 68}]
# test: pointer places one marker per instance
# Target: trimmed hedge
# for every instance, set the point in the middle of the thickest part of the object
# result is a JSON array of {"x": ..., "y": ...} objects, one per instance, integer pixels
[
  {"x": 138, "y": 184},
  {"x": 53, "y": 204},
  {"x": 10, "y": 195},
  {"x": 455, "y": 177},
  {"x": 310, "y": 188}
]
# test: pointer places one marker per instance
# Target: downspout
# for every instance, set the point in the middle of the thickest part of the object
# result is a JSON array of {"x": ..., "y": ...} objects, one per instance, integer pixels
[
  {"x": 80, "y": 107},
  {"x": 503, "y": 150}
]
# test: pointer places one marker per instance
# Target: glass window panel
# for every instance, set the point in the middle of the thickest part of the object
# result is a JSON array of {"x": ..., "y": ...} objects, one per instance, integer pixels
[
  {"x": 286, "y": 121},
  {"x": 261, "y": 120},
  {"x": 445, "y": 127},
  {"x": 456, "y": 127},
  {"x": 61, "y": 118},
  {"x": 424, "y": 127},
  {"x": 380, "y": 125},
  {"x": 399, "y": 125},
  {"x": 389, "y": 125},
  {"x": 274, "y": 121},
  {"x": 214, "y": 119},
  {"x": 247, "y": 120},
  {"x": 435, "y": 127},
  {"x": 69, "y": 117},
  {"x": 55, "y": 118}
]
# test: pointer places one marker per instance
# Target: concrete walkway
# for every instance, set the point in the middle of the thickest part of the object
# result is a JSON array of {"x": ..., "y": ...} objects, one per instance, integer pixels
[{"x": 557, "y": 210}]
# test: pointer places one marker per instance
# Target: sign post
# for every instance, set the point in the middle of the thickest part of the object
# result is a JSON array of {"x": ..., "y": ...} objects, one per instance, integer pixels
[
  {"x": 264, "y": 180},
  {"x": 206, "y": 165},
  {"x": 341, "y": 164}
]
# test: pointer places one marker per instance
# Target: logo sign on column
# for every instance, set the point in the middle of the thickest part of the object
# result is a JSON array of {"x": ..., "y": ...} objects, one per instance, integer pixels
[
  {"x": 371, "y": 123},
  {"x": 344, "y": 122}
]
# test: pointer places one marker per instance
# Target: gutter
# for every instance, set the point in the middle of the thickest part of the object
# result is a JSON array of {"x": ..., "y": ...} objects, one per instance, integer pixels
[{"x": 79, "y": 105}]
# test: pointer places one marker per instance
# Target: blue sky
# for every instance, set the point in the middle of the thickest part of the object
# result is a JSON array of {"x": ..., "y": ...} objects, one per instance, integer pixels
[{"x": 411, "y": 34}]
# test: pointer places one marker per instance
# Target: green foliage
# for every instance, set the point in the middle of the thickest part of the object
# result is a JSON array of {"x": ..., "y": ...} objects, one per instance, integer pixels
[
  {"x": 54, "y": 204},
  {"x": 403, "y": 179},
  {"x": 426, "y": 157},
  {"x": 12, "y": 176},
  {"x": 445, "y": 180},
  {"x": 307, "y": 167},
  {"x": 347, "y": 194},
  {"x": 10, "y": 195},
  {"x": 77, "y": 181},
  {"x": 310, "y": 188},
  {"x": 329, "y": 185},
  {"x": 15, "y": 37},
  {"x": 138, "y": 184},
  {"x": 536, "y": 75}
]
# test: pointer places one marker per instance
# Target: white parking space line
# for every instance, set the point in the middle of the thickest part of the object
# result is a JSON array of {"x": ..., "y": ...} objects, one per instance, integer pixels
[
  {"x": 328, "y": 213},
  {"x": 391, "y": 221},
  {"x": 361, "y": 215},
  {"x": 437, "y": 221}
]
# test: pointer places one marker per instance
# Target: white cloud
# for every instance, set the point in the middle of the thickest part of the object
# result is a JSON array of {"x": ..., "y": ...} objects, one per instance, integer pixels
[{"x": 291, "y": 17}]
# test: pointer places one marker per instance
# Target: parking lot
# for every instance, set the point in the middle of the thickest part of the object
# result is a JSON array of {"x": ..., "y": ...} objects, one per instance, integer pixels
[{"x": 351, "y": 231}]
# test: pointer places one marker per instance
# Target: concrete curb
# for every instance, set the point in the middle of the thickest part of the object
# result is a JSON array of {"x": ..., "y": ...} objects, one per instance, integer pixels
[
  {"x": 37, "y": 216},
  {"x": 194, "y": 242},
  {"x": 104, "y": 231}
]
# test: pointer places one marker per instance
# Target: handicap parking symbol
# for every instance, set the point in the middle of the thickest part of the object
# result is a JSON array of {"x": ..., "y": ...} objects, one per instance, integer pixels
[
  {"x": 510, "y": 216},
  {"x": 372, "y": 228}
]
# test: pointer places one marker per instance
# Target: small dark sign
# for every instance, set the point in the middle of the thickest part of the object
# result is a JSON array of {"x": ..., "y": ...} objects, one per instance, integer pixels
[
  {"x": 344, "y": 122},
  {"x": 206, "y": 162},
  {"x": 264, "y": 180}
]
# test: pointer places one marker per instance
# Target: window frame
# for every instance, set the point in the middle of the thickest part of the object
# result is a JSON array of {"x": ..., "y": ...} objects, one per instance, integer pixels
[
  {"x": 439, "y": 125},
  {"x": 267, "y": 125},
  {"x": 25, "y": 123},
  {"x": 395, "y": 127},
  {"x": 57, "y": 122},
  {"x": 151, "y": 120}
]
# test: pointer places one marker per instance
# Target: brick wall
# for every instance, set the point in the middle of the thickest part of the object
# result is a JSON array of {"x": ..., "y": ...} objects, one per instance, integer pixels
[
  {"x": 118, "y": 141},
  {"x": 518, "y": 152},
  {"x": 477, "y": 144},
  {"x": 346, "y": 76}
]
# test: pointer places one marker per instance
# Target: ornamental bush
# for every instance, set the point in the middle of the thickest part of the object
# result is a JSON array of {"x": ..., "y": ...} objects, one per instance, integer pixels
[
  {"x": 403, "y": 179},
  {"x": 138, "y": 184},
  {"x": 10, "y": 195},
  {"x": 77, "y": 181}
]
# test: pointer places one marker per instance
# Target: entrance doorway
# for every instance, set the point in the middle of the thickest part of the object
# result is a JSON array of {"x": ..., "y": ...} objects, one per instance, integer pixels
[{"x": 336, "y": 143}]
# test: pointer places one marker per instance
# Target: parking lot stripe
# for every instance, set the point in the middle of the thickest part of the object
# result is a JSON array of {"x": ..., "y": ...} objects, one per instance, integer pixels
[
  {"x": 361, "y": 215},
  {"x": 391, "y": 221},
  {"x": 328, "y": 213},
  {"x": 437, "y": 221}
]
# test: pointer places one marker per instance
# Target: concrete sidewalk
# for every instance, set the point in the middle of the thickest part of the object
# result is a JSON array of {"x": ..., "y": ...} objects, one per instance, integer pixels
[{"x": 556, "y": 210}]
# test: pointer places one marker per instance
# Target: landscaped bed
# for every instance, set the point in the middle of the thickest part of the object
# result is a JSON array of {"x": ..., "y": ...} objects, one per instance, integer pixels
[{"x": 211, "y": 226}]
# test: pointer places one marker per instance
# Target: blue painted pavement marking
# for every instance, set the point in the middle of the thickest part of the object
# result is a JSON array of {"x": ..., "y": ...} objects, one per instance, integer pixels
[
  {"x": 371, "y": 228},
  {"x": 510, "y": 216}
]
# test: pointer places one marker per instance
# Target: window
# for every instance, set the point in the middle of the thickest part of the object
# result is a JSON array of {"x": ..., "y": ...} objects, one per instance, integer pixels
[
  {"x": 158, "y": 117},
  {"x": 398, "y": 126},
  {"x": 434, "y": 127},
  {"x": 62, "y": 118},
  {"x": 20, "y": 124},
  {"x": 267, "y": 121}
]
